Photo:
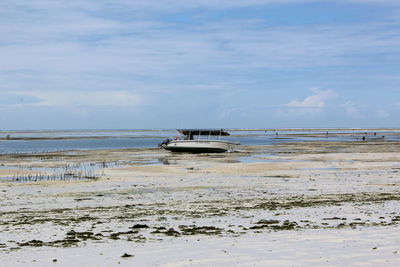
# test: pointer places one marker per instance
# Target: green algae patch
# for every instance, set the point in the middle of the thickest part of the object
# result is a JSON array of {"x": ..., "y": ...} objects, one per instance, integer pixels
[
  {"x": 81, "y": 235},
  {"x": 167, "y": 232},
  {"x": 274, "y": 225},
  {"x": 33, "y": 243},
  {"x": 67, "y": 242},
  {"x": 200, "y": 230}
]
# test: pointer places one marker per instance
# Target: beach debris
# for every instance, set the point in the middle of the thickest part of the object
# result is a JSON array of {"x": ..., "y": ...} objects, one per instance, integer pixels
[
  {"x": 126, "y": 255},
  {"x": 139, "y": 226}
]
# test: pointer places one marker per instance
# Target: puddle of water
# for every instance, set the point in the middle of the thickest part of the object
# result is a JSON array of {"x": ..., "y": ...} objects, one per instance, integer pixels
[
  {"x": 319, "y": 169},
  {"x": 265, "y": 158},
  {"x": 257, "y": 158},
  {"x": 164, "y": 161}
]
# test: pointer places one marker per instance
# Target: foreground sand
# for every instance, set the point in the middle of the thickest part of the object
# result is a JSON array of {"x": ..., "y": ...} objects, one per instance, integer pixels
[{"x": 300, "y": 204}]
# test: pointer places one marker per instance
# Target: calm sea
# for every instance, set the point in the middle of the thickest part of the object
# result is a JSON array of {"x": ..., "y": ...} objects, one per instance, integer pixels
[{"x": 51, "y": 141}]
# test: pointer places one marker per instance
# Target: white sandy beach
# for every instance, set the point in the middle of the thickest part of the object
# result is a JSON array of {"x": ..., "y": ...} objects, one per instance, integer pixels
[{"x": 315, "y": 206}]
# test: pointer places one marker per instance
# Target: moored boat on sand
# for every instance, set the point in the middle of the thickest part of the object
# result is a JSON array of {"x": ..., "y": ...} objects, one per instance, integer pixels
[{"x": 199, "y": 141}]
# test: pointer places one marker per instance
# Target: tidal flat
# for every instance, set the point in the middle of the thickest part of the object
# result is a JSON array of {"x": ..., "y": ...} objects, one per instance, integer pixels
[{"x": 296, "y": 203}]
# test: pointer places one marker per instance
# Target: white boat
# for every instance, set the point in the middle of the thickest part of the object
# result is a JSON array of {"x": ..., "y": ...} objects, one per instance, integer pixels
[{"x": 199, "y": 141}]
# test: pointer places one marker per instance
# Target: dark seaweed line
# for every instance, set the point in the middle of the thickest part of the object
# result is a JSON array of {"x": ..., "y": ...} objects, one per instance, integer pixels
[{"x": 196, "y": 211}]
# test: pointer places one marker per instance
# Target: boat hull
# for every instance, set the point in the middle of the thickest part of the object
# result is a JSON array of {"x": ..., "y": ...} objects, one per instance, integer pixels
[{"x": 200, "y": 146}]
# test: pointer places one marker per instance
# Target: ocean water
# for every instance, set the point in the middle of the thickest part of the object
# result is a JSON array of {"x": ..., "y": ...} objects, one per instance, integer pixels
[{"x": 69, "y": 140}]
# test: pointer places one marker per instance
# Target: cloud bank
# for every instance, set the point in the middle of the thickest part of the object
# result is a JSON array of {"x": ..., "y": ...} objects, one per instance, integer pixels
[
  {"x": 316, "y": 101},
  {"x": 162, "y": 58}
]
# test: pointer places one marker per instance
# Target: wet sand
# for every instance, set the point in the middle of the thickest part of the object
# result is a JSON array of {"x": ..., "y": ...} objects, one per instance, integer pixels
[{"x": 301, "y": 204}]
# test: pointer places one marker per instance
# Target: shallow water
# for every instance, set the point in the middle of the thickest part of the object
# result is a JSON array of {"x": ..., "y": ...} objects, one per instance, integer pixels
[
  {"x": 52, "y": 141},
  {"x": 37, "y": 146}
]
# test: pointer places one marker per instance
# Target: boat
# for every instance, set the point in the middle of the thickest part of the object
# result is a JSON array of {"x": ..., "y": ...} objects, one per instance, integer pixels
[{"x": 199, "y": 141}]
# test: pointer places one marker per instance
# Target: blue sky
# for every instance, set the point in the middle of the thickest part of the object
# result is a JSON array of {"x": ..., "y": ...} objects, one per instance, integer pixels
[{"x": 127, "y": 64}]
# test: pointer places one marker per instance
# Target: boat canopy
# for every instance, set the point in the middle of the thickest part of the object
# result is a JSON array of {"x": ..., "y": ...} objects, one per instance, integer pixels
[{"x": 203, "y": 132}]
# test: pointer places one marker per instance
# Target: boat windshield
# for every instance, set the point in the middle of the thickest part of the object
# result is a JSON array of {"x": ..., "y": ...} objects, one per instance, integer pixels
[{"x": 192, "y": 134}]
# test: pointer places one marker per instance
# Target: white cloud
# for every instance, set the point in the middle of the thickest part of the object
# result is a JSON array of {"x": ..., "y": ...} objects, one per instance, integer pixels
[
  {"x": 80, "y": 99},
  {"x": 311, "y": 106},
  {"x": 229, "y": 113},
  {"x": 316, "y": 101},
  {"x": 289, "y": 113},
  {"x": 382, "y": 113},
  {"x": 160, "y": 6},
  {"x": 352, "y": 110},
  {"x": 378, "y": 2},
  {"x": 58, "y": 39},
  {"x": 163, "y": 6}
]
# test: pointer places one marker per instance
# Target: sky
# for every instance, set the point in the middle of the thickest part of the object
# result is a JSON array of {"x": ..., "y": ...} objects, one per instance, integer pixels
[{"x": 157, "y": 64}]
